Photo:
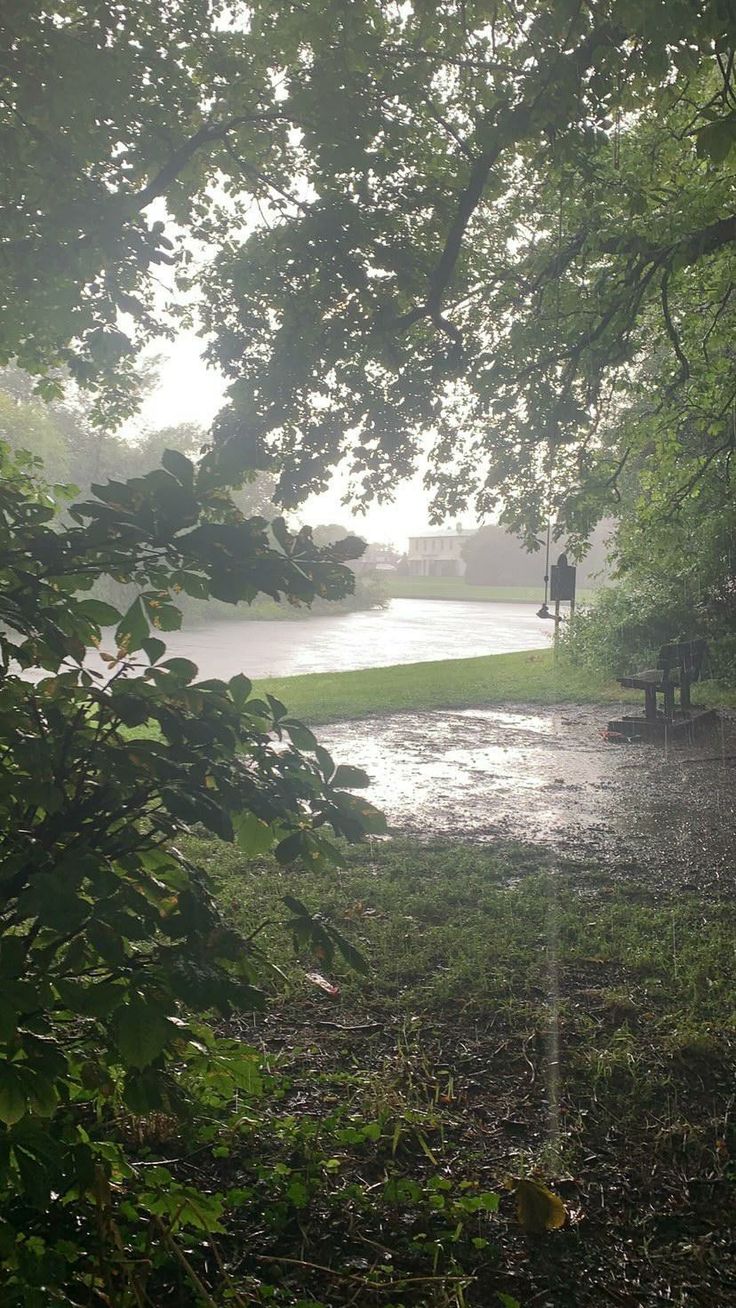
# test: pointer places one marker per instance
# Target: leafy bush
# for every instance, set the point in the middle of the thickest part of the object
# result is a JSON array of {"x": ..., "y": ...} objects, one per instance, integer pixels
[
  {"x": 625, "y": 625},
  {"x": 111, "y": 945}
]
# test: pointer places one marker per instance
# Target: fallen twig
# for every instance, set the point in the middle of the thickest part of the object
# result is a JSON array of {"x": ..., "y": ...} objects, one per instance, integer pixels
[{"x": 360, "y": 1280}]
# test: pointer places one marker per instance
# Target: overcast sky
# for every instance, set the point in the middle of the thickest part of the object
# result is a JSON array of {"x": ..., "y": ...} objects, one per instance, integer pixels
[{"x": 188, "y": 391}]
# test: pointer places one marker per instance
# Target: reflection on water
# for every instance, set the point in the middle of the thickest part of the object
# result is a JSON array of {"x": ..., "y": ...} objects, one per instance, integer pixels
[
  {"x": 471, "y": 770},
  {"x": 408, "y": 631}
]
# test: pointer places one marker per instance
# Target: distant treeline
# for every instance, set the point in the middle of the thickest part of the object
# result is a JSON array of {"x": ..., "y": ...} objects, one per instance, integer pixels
[{"x": 494, "y": 558}]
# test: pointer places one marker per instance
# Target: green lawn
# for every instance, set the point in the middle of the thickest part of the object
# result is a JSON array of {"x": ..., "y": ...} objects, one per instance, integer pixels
[
  {"x": 529, "y": 677},
  {"x": 525, "y": 677},
  {"x": 454, "y": 588}
]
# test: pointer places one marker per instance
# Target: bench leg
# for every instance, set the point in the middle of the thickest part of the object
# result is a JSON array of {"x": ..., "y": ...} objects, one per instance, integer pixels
[
  {"x": 685, "y": 694},
  {"x": 650, "y": 703},
  {"x": 669, "y": 701}
]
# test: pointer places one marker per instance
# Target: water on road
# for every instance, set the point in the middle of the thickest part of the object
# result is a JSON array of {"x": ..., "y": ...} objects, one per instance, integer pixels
[
  {"x": 407, "y": 631},
  {"x": 549, "y": 776}
]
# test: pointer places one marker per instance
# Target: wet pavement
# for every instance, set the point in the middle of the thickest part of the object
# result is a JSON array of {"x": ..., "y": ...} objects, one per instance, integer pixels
[{"x": 548, "y": 776}]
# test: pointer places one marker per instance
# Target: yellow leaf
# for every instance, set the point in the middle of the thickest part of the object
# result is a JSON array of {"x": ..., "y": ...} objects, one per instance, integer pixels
[{"x": 537, "y": 1208}]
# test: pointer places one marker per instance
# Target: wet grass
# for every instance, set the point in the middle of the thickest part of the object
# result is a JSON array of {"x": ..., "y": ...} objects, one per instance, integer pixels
[
  {"x": 454, "y": 588},
  {"x": 523, "y": 1015},
  {"x": 472, "y": 925},
  {"x": 527, "y": 677}
]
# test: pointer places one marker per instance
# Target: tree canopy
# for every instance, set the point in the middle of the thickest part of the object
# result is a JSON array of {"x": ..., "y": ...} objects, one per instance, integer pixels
[
  {"x": 520, "y": 255},
  {"x": 495, "y": 233}
]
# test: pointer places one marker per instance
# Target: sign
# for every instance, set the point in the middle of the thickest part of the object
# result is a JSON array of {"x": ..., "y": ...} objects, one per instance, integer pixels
[{"x": 562, "y": 581}]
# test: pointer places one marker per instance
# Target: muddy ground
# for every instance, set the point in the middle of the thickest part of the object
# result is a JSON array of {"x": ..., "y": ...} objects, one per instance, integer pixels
[{"x": 550, "y": 776}]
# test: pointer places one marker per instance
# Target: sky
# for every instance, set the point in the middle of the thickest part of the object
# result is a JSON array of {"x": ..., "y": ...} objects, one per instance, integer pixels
[{"x": 189, "y": 391}]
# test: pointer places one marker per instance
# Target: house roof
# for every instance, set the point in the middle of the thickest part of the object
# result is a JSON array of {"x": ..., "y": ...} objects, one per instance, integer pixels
[{"x": 443, "y": 531}]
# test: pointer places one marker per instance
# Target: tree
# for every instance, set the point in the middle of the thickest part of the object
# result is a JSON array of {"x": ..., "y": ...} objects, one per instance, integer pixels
[
  {"x": 62, "y": 433},
  {"x": 493, "y": 557},
  {"x": 469, "y": 238},
  {"x": 507, "y": 223},
  {"x": 106, "y": 109},
  {"x": 496, "y": 235},
  {"x": 28, "y": 425}
]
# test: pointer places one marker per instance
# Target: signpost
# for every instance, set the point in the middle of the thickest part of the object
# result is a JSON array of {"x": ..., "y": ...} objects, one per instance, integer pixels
[
  {"x": 561, "y": 579},
  {"x": 562, "y": 586}
]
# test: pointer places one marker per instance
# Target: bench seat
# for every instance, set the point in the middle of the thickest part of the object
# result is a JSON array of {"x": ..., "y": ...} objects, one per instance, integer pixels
[
  {"x": 679, "y": 665},
  {"x": 657, "y": 677}
]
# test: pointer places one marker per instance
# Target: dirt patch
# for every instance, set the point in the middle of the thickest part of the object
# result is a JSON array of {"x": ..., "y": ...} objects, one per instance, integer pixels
[
  {"x": 650, "y": 1201},
  {"x": 549, "y": 776}
]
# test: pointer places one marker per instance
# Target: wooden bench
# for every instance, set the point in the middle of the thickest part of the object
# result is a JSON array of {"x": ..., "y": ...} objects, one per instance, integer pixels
[{"x": 678, "y": 667}]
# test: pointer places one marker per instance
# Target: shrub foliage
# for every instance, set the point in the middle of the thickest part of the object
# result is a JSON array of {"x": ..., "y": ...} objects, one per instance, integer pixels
[{"x": 111, "y": 945}]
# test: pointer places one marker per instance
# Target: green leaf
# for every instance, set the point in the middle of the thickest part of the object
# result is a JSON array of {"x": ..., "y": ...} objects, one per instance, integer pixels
[
  {"x": 290, "y": 848},
  {"x": 13, "y": 951},
  {"x": 7, "y": 1239},
  {"x": 301, "y": 737},
  {"x": 240, "y": 688},
  {"x": 351, "y": 955},
  {"x": 103, "y": 615},
  {"x": 356, "y": 809},
  {"x": 183, "y": 669},
  {"x": 53, "y": 899},
  {"x": 326, "y": 764},
  {"x": 297, "y": 906},
  {"x": 350, "y": 778},
  {"x": 254, "y": 836},
  {"x": 12, "y": 1094},
  {"x": 154, "y": 648},
  {"x": 141, "y": 1033},
  {"x": 298, "y": 1193},
  {"x": 165, "y": 617},
  {"x": 8, "y": 1020},
  {"x": 143, "y": 1091},
  {"x": 92, "y": 1000},
  {"x": 133, "y": 629},
  {"x": 716, "y": 140},
  {"x": 43, "y": 1095},
  {"x": 179, "y": 466},
  {"x": 278, "y": 709}
]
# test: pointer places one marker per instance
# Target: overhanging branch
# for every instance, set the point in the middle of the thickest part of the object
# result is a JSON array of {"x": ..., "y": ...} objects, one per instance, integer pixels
[
  {"x": 502, "y": 129},
  {"x": 207, "y": 135}
]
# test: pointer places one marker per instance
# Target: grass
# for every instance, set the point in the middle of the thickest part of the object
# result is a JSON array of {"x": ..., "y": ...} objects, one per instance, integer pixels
[
  {"x": 525, "y": 677},
  {"x": 522, "y": 1015},
  {"x": 528, "y": 677},
  {"x": 444, "y": 923},
  {"x": 454, "y": 588}
]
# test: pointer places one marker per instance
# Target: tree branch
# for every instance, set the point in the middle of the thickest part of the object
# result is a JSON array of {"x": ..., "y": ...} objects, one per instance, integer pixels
[
  {"x": 687, "y": 249},
  {"x": 207, "y": 135},
  {"x": 506, "y": 127},
  {"x": 672, "y": 332}
]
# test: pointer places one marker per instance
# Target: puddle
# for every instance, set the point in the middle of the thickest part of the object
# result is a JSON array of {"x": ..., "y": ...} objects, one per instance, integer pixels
[{"x": 548, "y": 776}]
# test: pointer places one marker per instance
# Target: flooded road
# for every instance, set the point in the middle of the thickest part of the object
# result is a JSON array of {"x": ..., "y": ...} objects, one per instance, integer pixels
[
  {"x": 407, "y": 631},
  {"x": 548, "y": 776}
]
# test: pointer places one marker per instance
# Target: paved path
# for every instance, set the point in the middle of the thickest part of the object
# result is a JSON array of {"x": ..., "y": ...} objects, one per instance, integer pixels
[{"x": 548, "y": 776}]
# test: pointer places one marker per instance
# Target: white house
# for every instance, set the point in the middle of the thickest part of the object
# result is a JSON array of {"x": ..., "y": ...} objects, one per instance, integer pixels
[{"x": 438, "y": 553}]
